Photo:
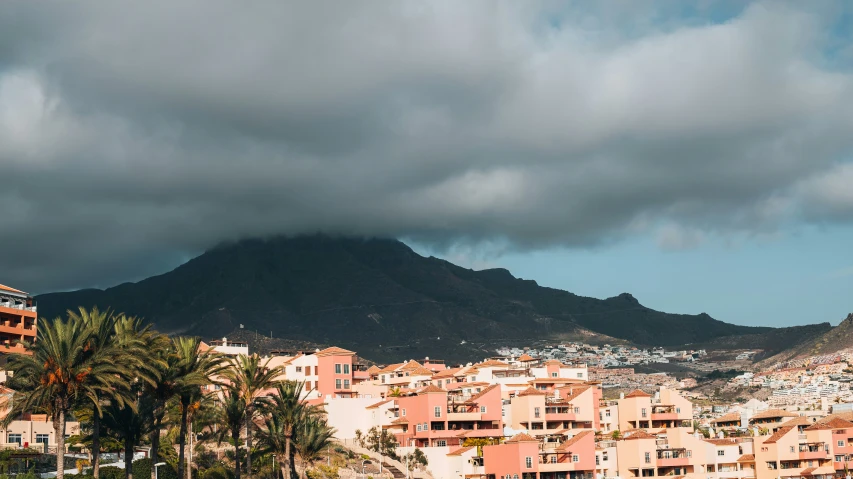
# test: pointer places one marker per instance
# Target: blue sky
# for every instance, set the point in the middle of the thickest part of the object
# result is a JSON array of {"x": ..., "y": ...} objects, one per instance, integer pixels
[{"x": 796, "y": 277}]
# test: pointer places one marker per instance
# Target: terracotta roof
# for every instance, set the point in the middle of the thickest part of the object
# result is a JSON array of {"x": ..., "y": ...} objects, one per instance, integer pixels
[
  {"x": 376, "y": 405},
  {"x": 798, "y": 421},
  {"x": 526, "y": 358},
  {"x": 771, "y": 413},
  {"x": 373, "y": 370},
  {"x": 808, "y": 471},
  {"x": 400, "y": 420},
  {"x": 492, "y": 363},
  {"x": 11, "y": 290},
  {"x": 411, "y": 365},
  {"x": 432, "y": 388},
  {"x": 482, "y": 393},
  {"x": 638, "y": 434},
  {"x": 522, "y": 437},
  {"x": 722, "y": 442},
  {"x": 575, "y": 392},
  {"x": 566, "y": 445},
  {"x": 637, "y": 393},
  {"x": 420, "y": 371},
  {"x": 390, "y": 368},
  {"x": 553, "y": 362},
  {"x": 830, "y": 422},
  {"x": 334, "y": 351},
  {"x": 746, "y": 458},
  {"x": 730, "y": 417},
  {"x": 847, "y": 416},
  {"x": 531, "y": 391},
  {"x": 779, "y": 434},
  {"x": 447, "y": 373},
  {"x": 460, "y": 451}
]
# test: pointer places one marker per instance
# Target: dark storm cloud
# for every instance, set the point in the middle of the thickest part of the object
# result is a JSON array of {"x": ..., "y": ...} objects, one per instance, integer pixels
[{"x": 132, "y": 135}]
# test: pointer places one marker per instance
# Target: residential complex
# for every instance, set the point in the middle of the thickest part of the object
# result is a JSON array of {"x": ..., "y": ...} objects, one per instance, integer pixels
[{"x": 17, "y": 319}]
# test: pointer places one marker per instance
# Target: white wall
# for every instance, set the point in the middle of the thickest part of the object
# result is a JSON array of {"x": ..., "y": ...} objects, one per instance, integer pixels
[{"x": 348, "y": 414}]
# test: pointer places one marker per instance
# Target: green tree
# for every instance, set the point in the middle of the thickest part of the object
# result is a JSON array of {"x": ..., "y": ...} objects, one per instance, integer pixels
[
  {"x": 195, "y": 368},
  {"x": 60, "y": 373},
  {"x": 232, "y": 414},
  {"x": 285, "y": 411},
  {"x": 249, "y": 376},
  {"x": 311, "y": 437}
]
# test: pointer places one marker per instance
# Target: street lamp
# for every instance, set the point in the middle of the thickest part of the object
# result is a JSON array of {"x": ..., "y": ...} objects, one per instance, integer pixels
[{"x": 156, "y": 466}]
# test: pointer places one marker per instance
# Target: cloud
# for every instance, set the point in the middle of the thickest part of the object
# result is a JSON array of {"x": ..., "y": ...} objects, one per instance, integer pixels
[{"x": 132, "y": 136}]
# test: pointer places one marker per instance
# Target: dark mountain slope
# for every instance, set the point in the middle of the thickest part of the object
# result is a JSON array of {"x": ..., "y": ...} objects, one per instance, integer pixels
[
  {"x": 831, "y": 341},
  {"x": 379, "y": 297}
]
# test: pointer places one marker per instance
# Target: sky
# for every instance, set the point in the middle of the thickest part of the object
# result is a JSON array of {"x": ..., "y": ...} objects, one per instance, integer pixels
[{"x": 695, "y": 154}]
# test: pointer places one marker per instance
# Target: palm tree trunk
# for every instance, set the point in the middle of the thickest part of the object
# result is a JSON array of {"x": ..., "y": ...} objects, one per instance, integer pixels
[
  {"x": 182, "y": 440},
  {"x": 292, "y": 459},
  {"x": 249, "y": 444},
  {"x": 96, "y": 444},
  {"x": 288, "y": 466},
  {"x": 59, "y": 429},
  {"x": 155, "y": 444},
  {"x": 128, "y": 458},
  {"x": 235, "y": 435}
]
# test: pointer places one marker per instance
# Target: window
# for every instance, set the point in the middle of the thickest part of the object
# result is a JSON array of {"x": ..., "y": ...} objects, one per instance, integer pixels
[
  {"x": 643, "y": 412},
  {"x": 383, "y": 379},
  {"x": 607, "y": 413},
  {"x": 437, "y": 411},
  {"x": 528, "y": 462},
  {"x": 316, "y": 370},
  {"x": 337, "y": 383},
  {"x": 404, "y": 412},
  {"x": 482, "y": 409},
  {"x": 678, "y": 410},
  {"x": 575, "y": 458},
  {"x": 553, "y": 375},
  {"x": 346, "y": 368},
  {"x": 298, "y": 369},
  {"x": 503, "y": 412},
  {"x": 419, "y": 428},
  {"x": 597, "y": 460},
  {"x": 536, "y": 412},
  {"x": 441, "y": 443},
  {"x": 553, "y": 459},
  {"x": 839, "y": 458},
  {"x": 580, "y": 375},
  {"x": 577, "y": 410},
  {"x": 721, "y": 452},
  {"x": 689, "y": 453},
  {"x": 446, "y": 381},
  {"x": 337, "y": 368},
  {"x": 425, "y": 427},
  {"x": 42, "y": 438},
  {"x": 14, "y": 438},
  {"x": 840, "y": 443},
  {"x": 346, "y": 383},
  {"x": 792, "y": 448},
  {"x": 648, "y": 458},
  {"x": 604, "y": 456},
  {"x": 515, "y": 476},
  {"x": 811, "y": 463}
]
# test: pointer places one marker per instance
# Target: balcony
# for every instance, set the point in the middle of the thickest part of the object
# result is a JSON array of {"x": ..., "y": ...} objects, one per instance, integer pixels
[
  {"x": 672, "y": 457},
  {"x": 464, "y": 416},
  {"x": 815, "y": 450},
  {"x": 556, "y": 466},
  {"x": 18, "y": 309}
]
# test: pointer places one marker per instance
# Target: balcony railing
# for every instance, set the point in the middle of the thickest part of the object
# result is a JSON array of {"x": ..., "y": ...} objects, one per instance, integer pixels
[{"x": 22, "y": 307}]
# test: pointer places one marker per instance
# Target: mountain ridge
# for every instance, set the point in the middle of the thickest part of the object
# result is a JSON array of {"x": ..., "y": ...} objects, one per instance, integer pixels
[{"x": 379, "y": 297}]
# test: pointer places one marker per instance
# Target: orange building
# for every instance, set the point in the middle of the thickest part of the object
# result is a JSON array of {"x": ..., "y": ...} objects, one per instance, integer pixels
[{"x": 17, "y": 319}]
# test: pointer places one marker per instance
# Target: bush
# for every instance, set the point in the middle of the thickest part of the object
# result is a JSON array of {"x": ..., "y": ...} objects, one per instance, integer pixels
[
  {"x": 216, "y": 472},
  {"x": 142, "y": 469},
  {"x": 112, "y": 472}
]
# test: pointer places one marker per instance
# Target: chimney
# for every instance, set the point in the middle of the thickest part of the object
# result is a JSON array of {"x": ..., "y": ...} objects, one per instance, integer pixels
[{"x": 621, "y": 395}]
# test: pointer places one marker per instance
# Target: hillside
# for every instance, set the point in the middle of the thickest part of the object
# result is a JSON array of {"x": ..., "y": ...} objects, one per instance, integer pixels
[
  {"x": 836, "y": 339},
  {"x": 379, "y": 297}
]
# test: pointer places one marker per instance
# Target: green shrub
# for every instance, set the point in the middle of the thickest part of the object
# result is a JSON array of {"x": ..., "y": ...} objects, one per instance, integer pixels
[
  {"x": 216, "y": 472},
  {"x": 142, "y": 469},
  {"x": 112, "y": 472}
]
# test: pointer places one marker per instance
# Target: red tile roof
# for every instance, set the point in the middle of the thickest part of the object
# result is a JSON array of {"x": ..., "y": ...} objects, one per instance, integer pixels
[
  {"x": 531, "y": 391},
  {"x": 566, "y": 445},
  {"x": 460, "y": 451},
  {"x": 482, "y": 393},
  {"x": 526, "y": 358},
  {"x": 637, "y": 393},
  {"x": 746, "y": 458},
  {"x": 432, "y": 388},
  {"x": 376, "y": 405},
  {"x": 730, "y": 417},
  {"x": 522, "y": 437},
  {"x": 779, "y": 434},
  {"x": 638, "y": 434},
  {"x": 334, "y": 351},
  {"x": 830, "y": 423},
  {"x": 773, "y": 413}
]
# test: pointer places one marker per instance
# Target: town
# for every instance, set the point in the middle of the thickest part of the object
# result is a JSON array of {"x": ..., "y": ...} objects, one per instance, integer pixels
[{"x": 524, "y": 413}]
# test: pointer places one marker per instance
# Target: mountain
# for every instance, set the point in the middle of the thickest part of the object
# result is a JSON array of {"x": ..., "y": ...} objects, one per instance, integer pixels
[
  {"x": 379, "y": 297},
  {"x": 836, "y": 339}
]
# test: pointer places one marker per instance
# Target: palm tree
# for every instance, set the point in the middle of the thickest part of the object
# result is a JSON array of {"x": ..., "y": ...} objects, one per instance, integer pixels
[
  {"x": 196, "y": 367},
  {"x": 159, "y": 392},
  {"x": 126, "y": 356},
  {"x": 285, "y": 411},
  {"x": 231, "y": 418},
  {"x": 129, "y": 425},
  {"x": 249, "y": 376},
  {"x": 58, "y": 373},
  {"x": 312, "y": 437},
  {"x": 395, "y": 392}
]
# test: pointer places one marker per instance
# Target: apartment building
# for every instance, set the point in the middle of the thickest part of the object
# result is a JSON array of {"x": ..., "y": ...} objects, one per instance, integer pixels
[
  {"x": 18, "y": 319},
  {"x": 30, "y": 430},
  {"x": 326, "y": 373},
  {"x": 639, "y": 410}
]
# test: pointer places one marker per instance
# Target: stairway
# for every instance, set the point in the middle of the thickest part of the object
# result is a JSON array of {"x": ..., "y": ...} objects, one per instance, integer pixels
[{"x": 393, "y": 470}]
